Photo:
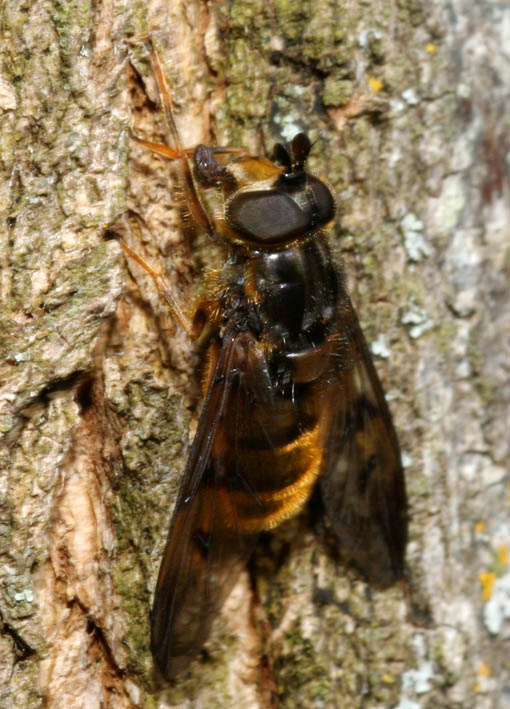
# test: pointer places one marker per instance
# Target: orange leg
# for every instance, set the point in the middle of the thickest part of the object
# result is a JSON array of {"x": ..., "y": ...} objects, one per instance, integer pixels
[
  {"x": 163, "y": 288},
  {"x": 194, "y": 203},
  {"x": 158, "y": 148},
  {"x": 165, "y": 98},
  {"x": 197, "y": 209}
]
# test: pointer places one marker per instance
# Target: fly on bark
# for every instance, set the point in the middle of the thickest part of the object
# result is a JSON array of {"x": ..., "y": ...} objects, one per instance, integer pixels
[{"x": 291, "y": 396}]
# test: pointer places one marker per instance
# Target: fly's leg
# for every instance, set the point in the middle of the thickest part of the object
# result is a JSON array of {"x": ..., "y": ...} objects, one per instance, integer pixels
[
  {"x": 197, "y": 162},
  {"x": 200, "y": 160},
  {"x": 159, "y": 148},
  {"x": 195, "y": 207},
  {"x": 164, "y": 97},
  {"x": 194, "y": 203},
  {"x": 163, "y": 288}
]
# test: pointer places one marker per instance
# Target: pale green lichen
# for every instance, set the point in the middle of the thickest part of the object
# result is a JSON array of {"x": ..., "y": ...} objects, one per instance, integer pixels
[{"x": 337, "y": 91}]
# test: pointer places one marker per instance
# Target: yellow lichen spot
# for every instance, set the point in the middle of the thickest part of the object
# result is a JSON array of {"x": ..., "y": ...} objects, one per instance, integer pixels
[
  {"x": 477, "y": 688},
  {"x": 431, "y": 48},
  {"x": 388, "y": 679},
  {"x": 376, "y": 85},
  {"x": 487, "y": 581},
  {"x": 484, "y": 670},
  {"x": 504, "y": 555},
  {"x": 479, "y": 527}
]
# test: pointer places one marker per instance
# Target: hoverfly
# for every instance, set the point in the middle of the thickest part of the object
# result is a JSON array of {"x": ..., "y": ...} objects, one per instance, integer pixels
[{"x": 291, "y": 397}]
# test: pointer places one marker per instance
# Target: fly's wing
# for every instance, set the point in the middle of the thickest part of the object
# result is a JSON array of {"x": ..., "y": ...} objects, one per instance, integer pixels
[
  {"x": 207, "y": 546},
  {"x": 362, "y": 482}
]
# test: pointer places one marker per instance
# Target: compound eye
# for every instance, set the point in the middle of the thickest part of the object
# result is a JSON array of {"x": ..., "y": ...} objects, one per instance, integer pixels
[
  {"x": 323, "y": 209},
  {"x": 269, "y": 216}
]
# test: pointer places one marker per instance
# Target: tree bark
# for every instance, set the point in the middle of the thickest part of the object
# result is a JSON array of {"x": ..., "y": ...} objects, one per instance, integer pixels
[{"x": 408, "y": 105}]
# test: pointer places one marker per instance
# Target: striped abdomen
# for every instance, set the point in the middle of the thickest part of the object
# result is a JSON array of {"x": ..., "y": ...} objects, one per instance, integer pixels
[{"x": 268, "y": 449}]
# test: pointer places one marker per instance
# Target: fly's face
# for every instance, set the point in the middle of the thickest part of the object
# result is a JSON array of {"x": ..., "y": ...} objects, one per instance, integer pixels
[
  {"x": 265, "y": 205},
  {"x": 292, "y": 400}
]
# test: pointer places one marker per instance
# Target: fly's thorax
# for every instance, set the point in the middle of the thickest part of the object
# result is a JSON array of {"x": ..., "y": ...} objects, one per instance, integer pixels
[
  {"x": 224, "y": 304},
  {"x": 295, "y": 291}
]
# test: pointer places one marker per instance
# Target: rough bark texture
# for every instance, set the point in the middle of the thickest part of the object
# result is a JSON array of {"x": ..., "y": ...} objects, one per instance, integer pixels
[{"x": 408, "y": 103}]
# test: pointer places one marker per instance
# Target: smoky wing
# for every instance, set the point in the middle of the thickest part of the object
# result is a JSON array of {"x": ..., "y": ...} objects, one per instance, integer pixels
[
  {"x": 208, "y": 544},
  {"x": 362, "y": 482}
]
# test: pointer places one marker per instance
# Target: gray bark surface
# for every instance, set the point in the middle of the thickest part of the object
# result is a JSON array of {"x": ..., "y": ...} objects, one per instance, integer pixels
[{"x": 408, "y": 103}]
